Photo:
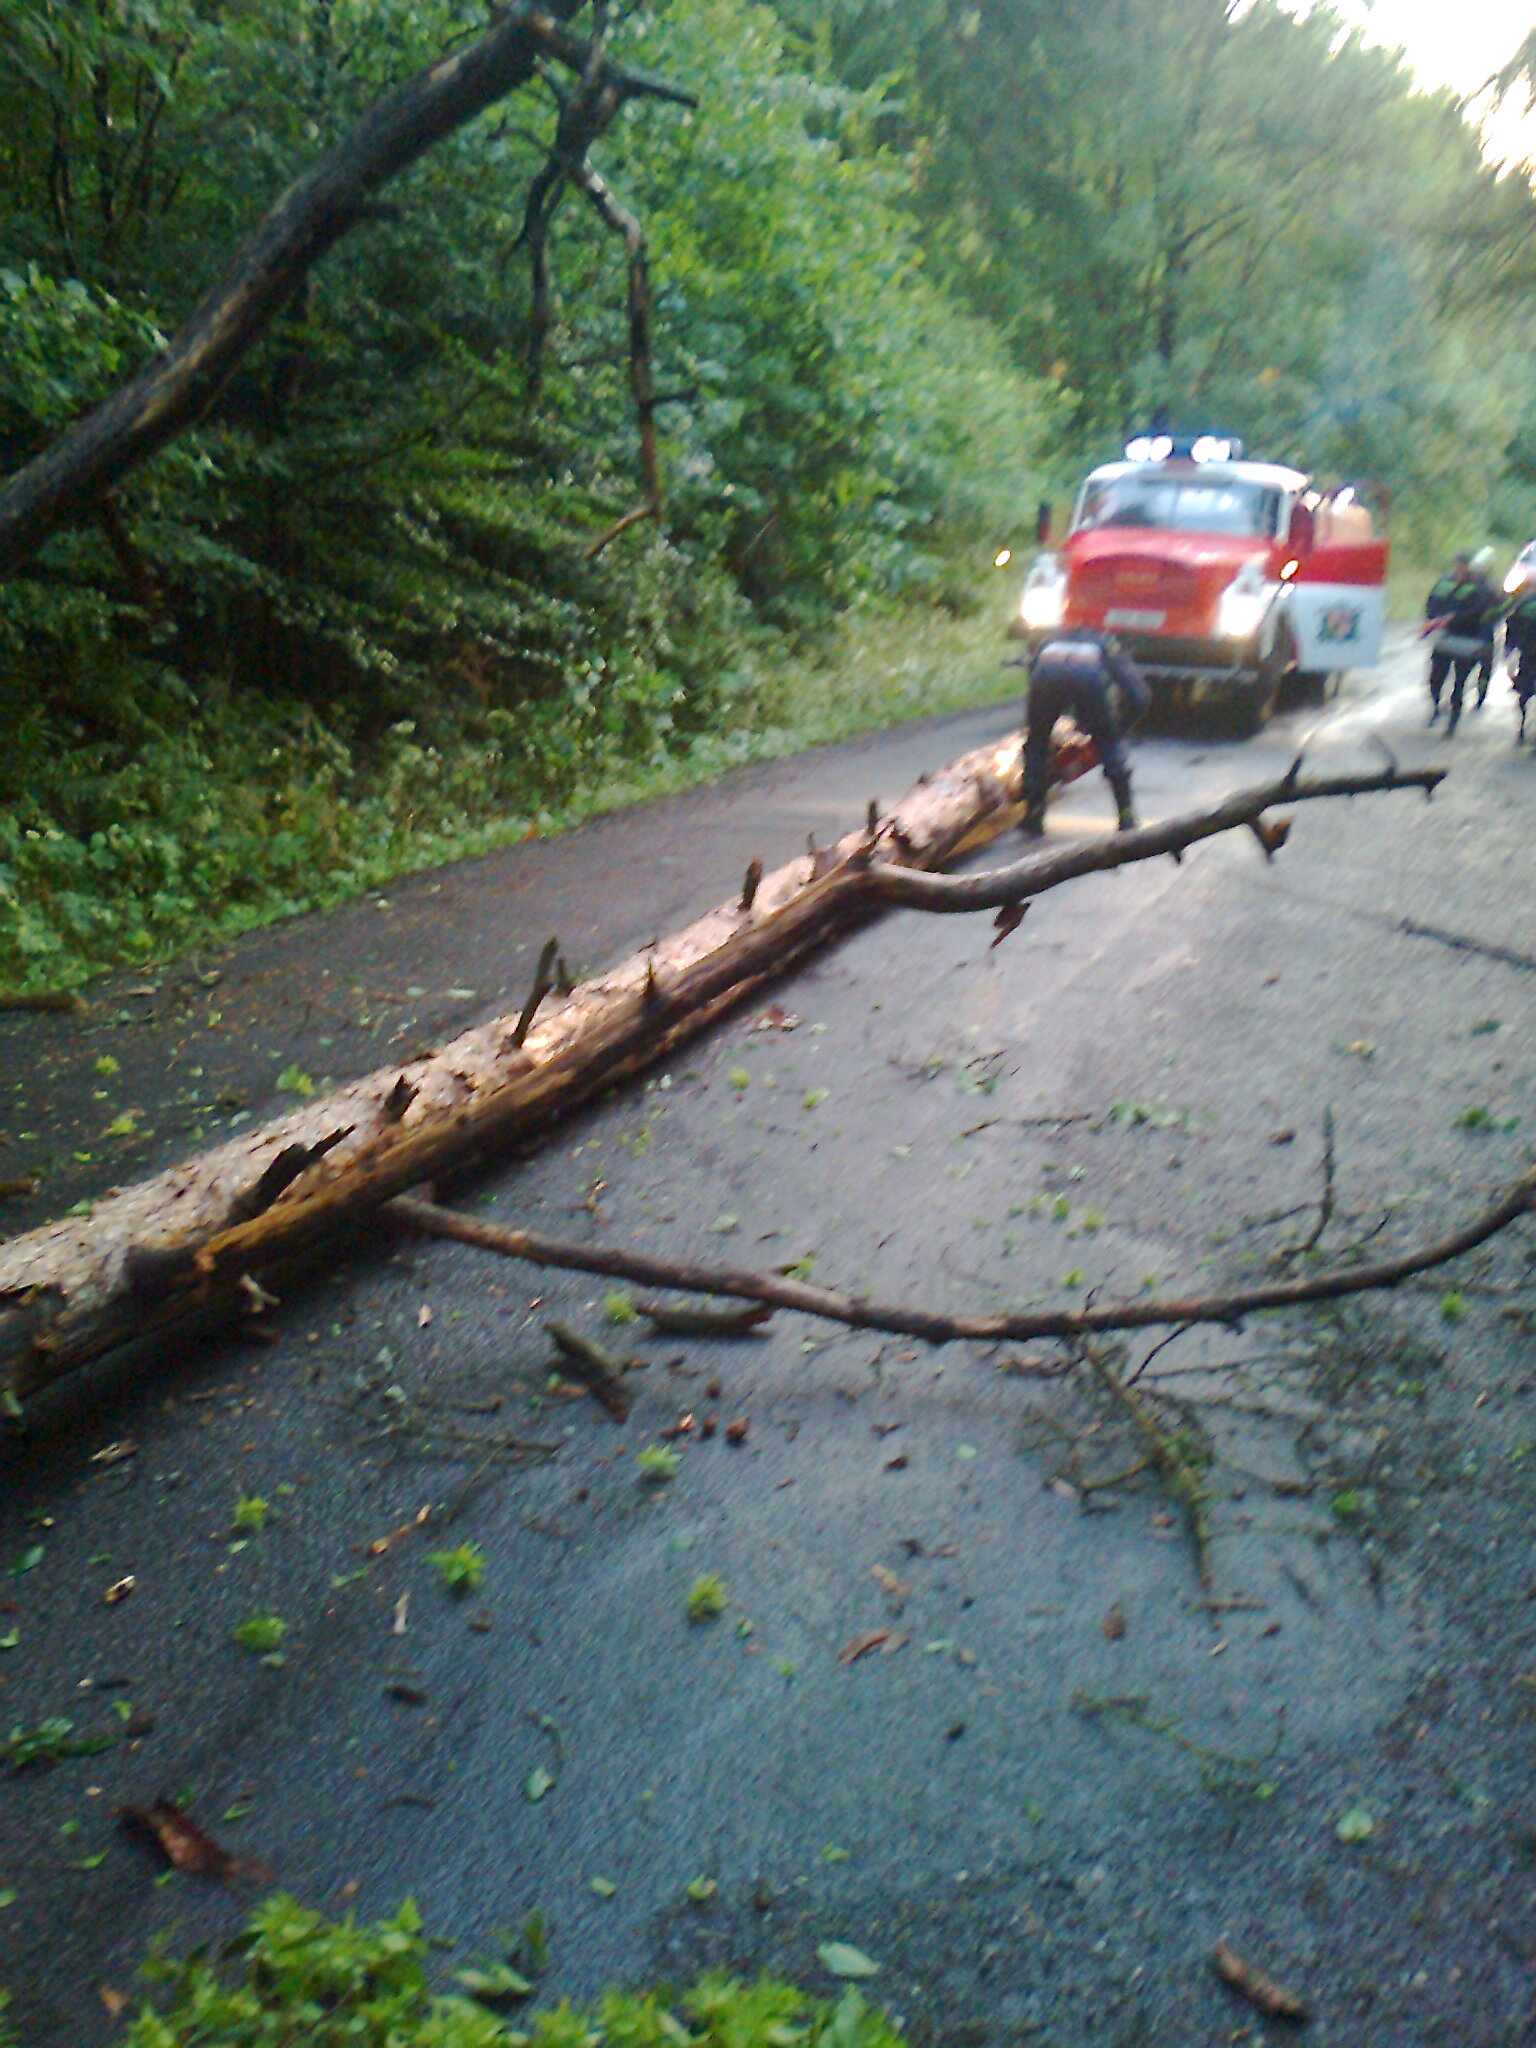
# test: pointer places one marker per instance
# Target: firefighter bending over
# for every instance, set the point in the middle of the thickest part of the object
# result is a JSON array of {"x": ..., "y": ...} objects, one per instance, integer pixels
[{"x": 1078, "y": 673}]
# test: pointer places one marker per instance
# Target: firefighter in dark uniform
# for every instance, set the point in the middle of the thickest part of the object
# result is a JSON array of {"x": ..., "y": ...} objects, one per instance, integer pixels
[
  {"x": 1078, "y": 672},
  {"x": 1520, "y": 647},
  {"x": 1459, "y": 612}
]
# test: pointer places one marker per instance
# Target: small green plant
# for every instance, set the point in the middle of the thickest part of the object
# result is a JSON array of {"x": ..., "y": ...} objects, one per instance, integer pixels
[
  {"x": 250, "y": 1515},
  {"x": 494, "y": 1983},
  {"x": 295, "y": 1976},
  {"x": 699, "y": 1890},
  {"x": 658, "y": 1463},
  {"x": 262, "y": 1635},
  {"x": 460, "y": 1569},
  {"x": 707, "y": 1598},
  {"x": 618, "y": 1307},
  {"x": 1453, "y": 1305}
]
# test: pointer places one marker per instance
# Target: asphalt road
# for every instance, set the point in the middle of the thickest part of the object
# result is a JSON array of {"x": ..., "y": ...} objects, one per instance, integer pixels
[{"x": 1069, "y": 1766}]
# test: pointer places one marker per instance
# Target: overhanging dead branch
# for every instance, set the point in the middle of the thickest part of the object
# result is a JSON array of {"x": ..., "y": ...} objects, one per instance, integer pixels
[{"x": 307, "y": 220}]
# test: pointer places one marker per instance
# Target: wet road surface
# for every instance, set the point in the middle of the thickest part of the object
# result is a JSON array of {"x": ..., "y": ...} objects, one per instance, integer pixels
[{"x": 1070, "y": 1763}]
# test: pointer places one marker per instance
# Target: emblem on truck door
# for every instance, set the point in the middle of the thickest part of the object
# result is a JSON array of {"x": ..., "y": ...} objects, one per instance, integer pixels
[{"x": 1340, "y": 623}]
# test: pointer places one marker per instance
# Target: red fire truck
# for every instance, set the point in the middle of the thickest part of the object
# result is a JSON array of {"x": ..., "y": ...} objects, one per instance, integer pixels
[{"x": 1229, "y": 582}]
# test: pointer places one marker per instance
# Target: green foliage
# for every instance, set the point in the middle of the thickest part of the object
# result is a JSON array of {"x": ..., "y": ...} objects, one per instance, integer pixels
[
  {"x": 49, "y": 1742},
  {"x": 1243, "y": 215},
  {"x": 262, "y": 1635},
  {"x": 658, "y": 1462},
  {"x": 707, "y": 1598},
  {"x": 250, "y": 1515},
  {"x": 349, "y": 622},
  {"x": 293, "y": 1975},
  {"x": 460, "y": 1569}
]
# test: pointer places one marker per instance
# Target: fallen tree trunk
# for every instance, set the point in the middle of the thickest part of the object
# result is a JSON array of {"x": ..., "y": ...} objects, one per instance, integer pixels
[
  {"x": 194, "y": 1242},
  {"x": 164, "y": 1255}
]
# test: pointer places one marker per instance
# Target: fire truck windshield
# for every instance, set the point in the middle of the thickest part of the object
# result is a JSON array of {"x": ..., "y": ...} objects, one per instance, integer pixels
[{"x": 1201, "y": 506}]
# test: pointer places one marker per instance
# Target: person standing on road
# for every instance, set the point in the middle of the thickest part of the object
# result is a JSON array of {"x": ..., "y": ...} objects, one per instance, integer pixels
[
  {"x": 1078, "y": 672},
  {"x": 1520, "y": 647},
  {"x": 1457, "y": 614}
]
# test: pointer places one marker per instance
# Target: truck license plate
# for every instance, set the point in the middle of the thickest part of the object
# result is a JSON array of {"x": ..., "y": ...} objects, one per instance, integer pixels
[{"x": 1133, "y": 621}]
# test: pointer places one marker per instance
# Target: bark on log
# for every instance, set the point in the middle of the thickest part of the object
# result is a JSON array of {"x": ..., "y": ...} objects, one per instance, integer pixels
[
  {"x": 320, "y": 207},
  {"x": 160, "y": 1258}
]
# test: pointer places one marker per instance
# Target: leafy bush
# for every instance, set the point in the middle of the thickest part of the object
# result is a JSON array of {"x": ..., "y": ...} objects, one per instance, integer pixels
[
  {"x": 295, "y": 1976},
  {"x": 350, "y": 622}
]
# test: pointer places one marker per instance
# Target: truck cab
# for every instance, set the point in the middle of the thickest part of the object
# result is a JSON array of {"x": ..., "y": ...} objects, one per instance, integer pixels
[{"x": 1227, "y": 581}]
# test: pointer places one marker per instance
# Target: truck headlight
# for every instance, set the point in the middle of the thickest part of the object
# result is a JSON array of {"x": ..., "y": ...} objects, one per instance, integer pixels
[
  {"x": 1043, "y": 602},
  {"x": 1243, "y": 604}
]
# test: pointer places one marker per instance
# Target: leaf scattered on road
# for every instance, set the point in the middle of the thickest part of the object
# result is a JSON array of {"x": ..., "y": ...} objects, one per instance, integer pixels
[
  {"x": 1354, "y": 1825},
  {"x": 845, "y": 1961}
]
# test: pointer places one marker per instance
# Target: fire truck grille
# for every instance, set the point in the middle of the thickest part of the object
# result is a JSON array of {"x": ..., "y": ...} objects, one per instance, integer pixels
[{"x": 1138, "y": 584}]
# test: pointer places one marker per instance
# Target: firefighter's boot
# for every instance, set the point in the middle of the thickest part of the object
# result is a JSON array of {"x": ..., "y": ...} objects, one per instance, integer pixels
[
  {"x": 1121, "y": 786},
  {"x": 1032, "y": 824}
]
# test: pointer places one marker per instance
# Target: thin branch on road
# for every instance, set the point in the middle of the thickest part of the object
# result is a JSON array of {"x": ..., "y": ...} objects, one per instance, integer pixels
[{"x": 935, "y": 1328}]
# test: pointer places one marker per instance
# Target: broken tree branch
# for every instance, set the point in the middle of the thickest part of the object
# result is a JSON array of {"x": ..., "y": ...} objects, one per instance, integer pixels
[
  {"x": 936, "y": 1328},
  {"x": 999, "y": 888}
]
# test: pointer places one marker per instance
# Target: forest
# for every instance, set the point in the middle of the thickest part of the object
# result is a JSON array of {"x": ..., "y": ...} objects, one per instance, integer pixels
[{"x": 912, "y": 264}]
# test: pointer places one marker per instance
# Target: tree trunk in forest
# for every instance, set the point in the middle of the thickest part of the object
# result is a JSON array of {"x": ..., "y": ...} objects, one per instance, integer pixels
[
  {"x": 170, "y": 393},
  {"x": 188, "y": 1246}
]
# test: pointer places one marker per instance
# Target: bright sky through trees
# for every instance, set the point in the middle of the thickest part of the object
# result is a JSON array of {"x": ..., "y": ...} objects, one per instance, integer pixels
[{"x": 1456, "y": 46}]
